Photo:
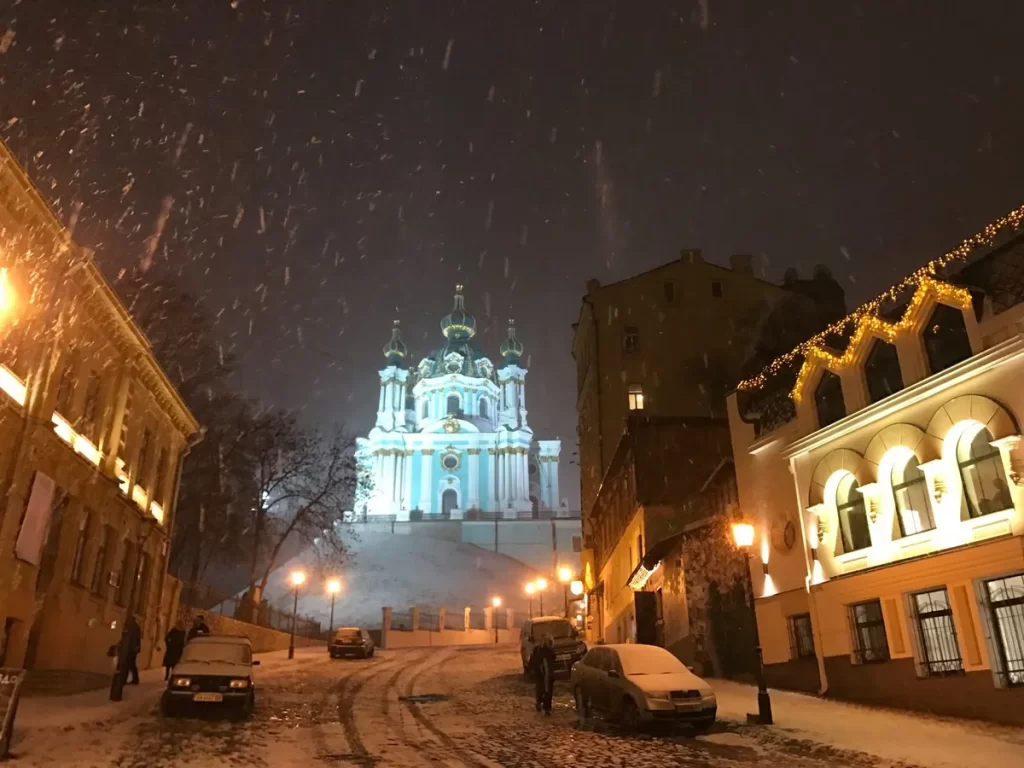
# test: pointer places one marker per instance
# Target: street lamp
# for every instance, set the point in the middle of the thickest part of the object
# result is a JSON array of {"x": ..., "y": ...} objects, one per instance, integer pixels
[
  {"x": 333, "y": 588},
  {"x": 565, "y": 575},
  {"x": 297, "y": 578},
  {"x": 531, "y": 590},
  {"x": 6, "y": 292},
  {"x": 542, "y": 584},
  {"x": 496, "y": 603},
  {"x": 743, "y": 535}
]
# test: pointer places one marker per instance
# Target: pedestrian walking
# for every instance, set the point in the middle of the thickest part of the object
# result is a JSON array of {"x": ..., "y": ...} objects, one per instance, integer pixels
[
  {"x": 542, "y": 665},
  {"x": 132, "y": 645},
  {"x": 174, "y": 643},
  {"x": 198, "y": 628}
]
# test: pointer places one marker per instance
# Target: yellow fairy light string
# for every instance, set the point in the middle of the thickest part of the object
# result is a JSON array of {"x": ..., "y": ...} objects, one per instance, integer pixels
[{"x": 922, "y": 278}]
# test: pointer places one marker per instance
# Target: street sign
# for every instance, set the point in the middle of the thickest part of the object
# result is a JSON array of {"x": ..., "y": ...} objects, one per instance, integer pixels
[{"x": 10, "y": 689}]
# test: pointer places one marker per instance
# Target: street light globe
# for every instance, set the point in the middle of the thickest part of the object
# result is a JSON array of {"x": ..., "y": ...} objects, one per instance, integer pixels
[
  {"x": 496, "y": 602},
  {"x": 743, "y": 535},
  {"x": 576, "y": 588},
  {"x": 298, "y": 578},
  {"x": 531, "y": 588},
  {"x": 334, "y": 586},
  {"x": 565, "y": 574},
  {"x": 542, "y": 584}
]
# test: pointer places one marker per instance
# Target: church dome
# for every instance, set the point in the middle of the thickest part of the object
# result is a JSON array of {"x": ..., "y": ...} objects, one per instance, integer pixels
[
  {"x": 395, "y": 350},
  {"x": 458, "y": 325},
  {"x": 511, "y": 348}
]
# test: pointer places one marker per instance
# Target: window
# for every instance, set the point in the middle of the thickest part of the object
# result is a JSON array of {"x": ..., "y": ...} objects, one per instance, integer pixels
[
  {"x": 91, "y": 410},
  {"x": 100, "y": 574},
  {"x": 124, "y": 571},
  {"x": 913, "y": 503},
  {"x": 1006, "y": 601},
  {"x": 853, "y": 515},
  {"x": 945, "y": 338},
  {"x": 123, "y": 440},
  {"x": 78, "y": 560},
  {"x": 631, "y": 339},
  {"x": 66, "y": 389},
  {"x": 801, "y": 637},
  {"x": 716, "y": 289},
  {"x": 160, "y": 485},
  {"x": 483, "y": 408},
  {"x": 882, "y": 371},
  {"x": 453, "y": 405},
  {"x": 870, "y": 643},
  {"x": 577, "y": 543},
  {"x": 670, "y": 292},
  {"x": 142, "y": 473},
  {"x": 940, "y": 652},
  {"x": 51, "y": 542},
  {"x": 425, "y": 410},
  {"x": 981, "y": 469},
  {"x": 828, "y": 399},
  {"x": 636, "y": 397}
]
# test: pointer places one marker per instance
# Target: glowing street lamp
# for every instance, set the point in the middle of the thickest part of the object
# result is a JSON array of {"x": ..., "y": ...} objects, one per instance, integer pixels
[
  {"x": 333, "y": 588},
  {"x": 531, "y": 590},
  {"x": 565, "y": 575},
  {"x": 576, "y": 588},
  {"x": 542, "y": 584},
  {"x": 297, "y": 579},
  {"x": 496, "y": 603},
  {"x": 743, "y": 535}
]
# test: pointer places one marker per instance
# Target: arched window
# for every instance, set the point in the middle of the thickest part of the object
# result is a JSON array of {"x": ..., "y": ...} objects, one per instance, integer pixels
[
  {"x": 483, "y": 407},
  {"x": 981, "y": 469},
  {"x": 425, "y": 410},
  {"x": 449, "y": 501},
  {"x": 853, "y": 515},
  {"x": 910, "y": 491},
  {"x": 945, "y": 338},
  {"x": 453, "y": 404},
  {"x": 828, "y": 399},
  {"x": 882, "y": 371}
]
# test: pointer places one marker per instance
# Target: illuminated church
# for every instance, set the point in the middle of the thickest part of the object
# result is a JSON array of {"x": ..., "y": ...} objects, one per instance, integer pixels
[{"x": 451, "y": 438}]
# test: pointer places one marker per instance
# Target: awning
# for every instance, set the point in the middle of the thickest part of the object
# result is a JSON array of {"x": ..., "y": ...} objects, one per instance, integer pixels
[{"x": 651, "y": 561}]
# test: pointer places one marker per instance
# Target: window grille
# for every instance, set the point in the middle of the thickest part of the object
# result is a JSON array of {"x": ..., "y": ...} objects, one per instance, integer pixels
[
  {"x": 801, "y": 636},
  {"x": 940, "y": 651},
  {"x": 1006, "y": 602},
  {"x": 870, "y": 643}
]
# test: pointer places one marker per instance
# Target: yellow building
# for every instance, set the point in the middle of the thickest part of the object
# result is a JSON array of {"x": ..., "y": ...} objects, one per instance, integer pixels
[
  {"x": 881, "y": 465},
  {"x": 92, "y": 435}
]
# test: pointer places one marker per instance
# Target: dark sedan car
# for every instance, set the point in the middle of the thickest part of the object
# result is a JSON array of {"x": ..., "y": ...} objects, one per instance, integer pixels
[{"x": 351, "y": 641}]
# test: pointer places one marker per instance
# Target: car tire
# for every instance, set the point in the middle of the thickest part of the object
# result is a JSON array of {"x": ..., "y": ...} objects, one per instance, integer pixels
[
  {"x": 248, "y": 706},
  {"x": 582, "y": 705},
  {"x": 630, "y": 714},
  {"x": 167, "y": 708},
  {"x": 703, "y": 726},
  {"x": 370, "y": 654}
]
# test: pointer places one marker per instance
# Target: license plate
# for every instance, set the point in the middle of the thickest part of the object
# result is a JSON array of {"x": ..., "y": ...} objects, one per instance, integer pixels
[
  {"x": 688, "y": 706},
  {"x": 208, "y": 697}
]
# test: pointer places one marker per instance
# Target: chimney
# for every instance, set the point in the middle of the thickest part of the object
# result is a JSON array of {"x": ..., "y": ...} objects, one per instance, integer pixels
[
  {"x": 691, "y": 255},
  {"x": 742, "y": 262},
  {"x": 592, "y": 285}
]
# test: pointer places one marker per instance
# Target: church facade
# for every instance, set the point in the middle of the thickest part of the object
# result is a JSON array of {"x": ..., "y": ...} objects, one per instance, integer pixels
[{"x": 451, "y": 439}]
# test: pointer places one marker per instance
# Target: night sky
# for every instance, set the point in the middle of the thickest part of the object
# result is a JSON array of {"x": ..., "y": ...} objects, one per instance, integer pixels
[{"x": 323, "y": 166}]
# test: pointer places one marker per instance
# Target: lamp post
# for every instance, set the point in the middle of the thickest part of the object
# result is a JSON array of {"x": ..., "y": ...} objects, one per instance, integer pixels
[
  {"x": 531, "y": 589},
  {"x": 333, "y": 588},
  {"x": 576, "y": 589},
  {"x": 565, "y": 575},
  {"x": 496, "y": 604},
  {"x": 297, "y": 578},
  {"x": 743, "y": 535},
  {"x": 542, "y": 584}
]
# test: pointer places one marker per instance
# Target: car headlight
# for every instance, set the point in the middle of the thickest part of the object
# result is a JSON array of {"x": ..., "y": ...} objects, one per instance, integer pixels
[
  {"x": 181, "y": 682},
  {"x": 709, "y": 700},
  {"x": 581, "y": 649},
  {"x": 243, "y": 683},
  {"x": 659, "y": 695}
]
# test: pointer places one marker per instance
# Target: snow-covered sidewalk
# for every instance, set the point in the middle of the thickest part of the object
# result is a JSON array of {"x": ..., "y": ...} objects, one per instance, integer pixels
[{"x": 889, "y": 734}]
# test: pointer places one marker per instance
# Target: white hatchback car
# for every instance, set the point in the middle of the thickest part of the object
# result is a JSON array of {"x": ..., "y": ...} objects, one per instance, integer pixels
[
  {"x": 214, "y": 671},
  {"x": 641, "y": 684}
]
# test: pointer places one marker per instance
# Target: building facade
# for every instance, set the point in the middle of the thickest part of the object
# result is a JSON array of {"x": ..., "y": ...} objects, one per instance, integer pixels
[
  {"x": 92, "y": 435},
  {"x": 452, "y": 439},
  {"x": 881, "y": 465}
]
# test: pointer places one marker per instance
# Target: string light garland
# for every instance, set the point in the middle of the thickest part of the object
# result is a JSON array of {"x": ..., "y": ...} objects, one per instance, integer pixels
[{"x": 866, "y": 316}]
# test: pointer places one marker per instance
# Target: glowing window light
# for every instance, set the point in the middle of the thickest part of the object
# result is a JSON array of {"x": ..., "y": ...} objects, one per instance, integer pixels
[
  {"x": 140, "y": 497},
  {"x": 85, "y": 448},
  {"x": 157, "y": 511},
  {"x": 62, "y": 428},
  {"x": 12, "y": 385}
]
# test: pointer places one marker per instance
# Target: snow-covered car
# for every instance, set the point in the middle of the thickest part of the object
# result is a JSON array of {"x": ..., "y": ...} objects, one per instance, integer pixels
[
  {"x": 214, "y": 671},
  {"x": 351, "y": 641},
  {"x": 567, "y": 644},
  {"x": 641, "y": 684}
]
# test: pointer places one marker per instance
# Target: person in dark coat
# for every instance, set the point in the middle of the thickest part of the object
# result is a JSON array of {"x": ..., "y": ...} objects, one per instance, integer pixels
[
  {"x": 542, "y": 665},
  {"x": 198, "y": 628},
  {"x": 132, "y": 645},
  {"x": 174, "y": 644}
]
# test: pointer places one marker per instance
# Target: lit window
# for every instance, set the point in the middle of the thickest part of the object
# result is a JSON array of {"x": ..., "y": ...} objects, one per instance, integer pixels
[
  {"x": 801, "y": 638},
  {"x": 940, "y": 652},
  {"x": 631, "y": 339},
  {"x": 913, "y": 505},
  {"x": 853, "y": 515},
  {"x": 870, "y": 642},
  {"x": 981, "y": 468},
  {"x": 636, "y": 397}
]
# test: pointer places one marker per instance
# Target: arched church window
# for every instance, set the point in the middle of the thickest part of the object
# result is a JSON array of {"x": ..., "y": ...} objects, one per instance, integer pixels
[
  {"x": 483, "y": 407},
  {"x": 853, "y": 515},
  {"x": 828, "y": 400},
  {"x": 945, "y": 338},
  {"x": 882, "y": 371},
  {"x": 453, "y": 404},
  {"x": 981, "y": 469},
  {"x": 425, "y": 410}
]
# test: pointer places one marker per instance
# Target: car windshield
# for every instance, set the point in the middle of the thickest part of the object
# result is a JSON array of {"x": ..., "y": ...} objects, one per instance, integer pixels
[
  {"x": 559, "y": 630},
  {"x": 348, "y": 634},
  {"x": 232, "y": 653},
  {"x": 649, "y": 660}
]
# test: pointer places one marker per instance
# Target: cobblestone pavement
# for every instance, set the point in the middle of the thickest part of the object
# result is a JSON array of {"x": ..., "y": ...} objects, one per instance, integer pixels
[{"x": 478, "y": 713}]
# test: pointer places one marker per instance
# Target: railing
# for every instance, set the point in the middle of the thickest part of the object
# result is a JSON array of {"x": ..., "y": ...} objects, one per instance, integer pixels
[
  {"x": 401, "y": 622},
  {"x": 203, "y": 597},
  {"x": 430, "y": 622},
  {"x": 455, "y": 620},
  {"x": 476, "y": 620}
]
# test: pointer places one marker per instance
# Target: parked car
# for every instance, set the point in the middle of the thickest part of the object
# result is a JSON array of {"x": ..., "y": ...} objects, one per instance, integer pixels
[
  {"x": 641, "y": 684},
  {"x": 569, "y": 648},
  {"x": 214, "y": 671},
  {"x": 351, "y": 641}
]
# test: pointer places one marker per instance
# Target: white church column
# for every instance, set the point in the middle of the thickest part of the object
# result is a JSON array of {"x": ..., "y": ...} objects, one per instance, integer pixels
[
  {"x": 492, "y": 478},
  {"x": 406, "y": 482},
  {"x": 426, "y": 481},
  {"x": 474, "y": 478},
  {"x": 502, "y": 479}
]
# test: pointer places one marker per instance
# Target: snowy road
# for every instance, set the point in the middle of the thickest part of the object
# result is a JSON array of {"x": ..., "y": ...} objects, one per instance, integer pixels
[{"x": 316, "y": 712}]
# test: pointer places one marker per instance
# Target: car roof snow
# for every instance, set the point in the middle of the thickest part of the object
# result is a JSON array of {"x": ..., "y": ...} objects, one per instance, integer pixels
[{"x": 230, "y": 639}]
